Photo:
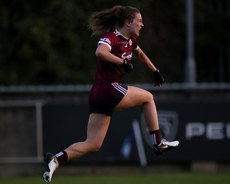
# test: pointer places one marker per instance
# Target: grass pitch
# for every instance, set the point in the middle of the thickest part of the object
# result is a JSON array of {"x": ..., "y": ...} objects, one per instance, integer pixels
[{"x": 179, "y": 178}]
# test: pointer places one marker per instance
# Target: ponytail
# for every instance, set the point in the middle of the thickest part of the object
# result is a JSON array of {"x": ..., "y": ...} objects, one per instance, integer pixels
[{"x": 109, "y": 19}]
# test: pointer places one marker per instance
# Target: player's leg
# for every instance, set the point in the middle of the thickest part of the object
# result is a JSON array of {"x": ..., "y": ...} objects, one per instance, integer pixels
[
  {"x": 139, "y": 97},
  {"x": 97, "y": 128}
]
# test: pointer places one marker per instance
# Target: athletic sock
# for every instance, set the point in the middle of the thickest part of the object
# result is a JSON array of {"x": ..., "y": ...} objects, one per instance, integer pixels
[
  {"x": 61, "y": 157},
  {"x": 156, "y": 137}
]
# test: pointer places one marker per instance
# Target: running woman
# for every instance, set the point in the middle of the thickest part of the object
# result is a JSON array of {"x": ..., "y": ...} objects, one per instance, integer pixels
[{"x": 118, "y": 26}]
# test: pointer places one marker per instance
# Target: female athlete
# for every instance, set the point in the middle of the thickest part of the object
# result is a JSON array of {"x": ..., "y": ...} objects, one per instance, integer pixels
[{"x": 119, "y": 26}]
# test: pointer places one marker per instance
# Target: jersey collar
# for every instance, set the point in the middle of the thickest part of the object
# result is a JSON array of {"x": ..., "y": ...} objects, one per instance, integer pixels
[{"x": 118, "y": 33}]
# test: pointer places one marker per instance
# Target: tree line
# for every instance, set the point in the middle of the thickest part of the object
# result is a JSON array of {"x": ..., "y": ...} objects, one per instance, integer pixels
[{"x": 48, "y": 42}]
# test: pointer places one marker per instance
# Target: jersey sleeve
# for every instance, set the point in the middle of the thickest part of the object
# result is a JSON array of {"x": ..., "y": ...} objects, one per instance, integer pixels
[
  {"x": 107, "y": 39},
  {"x": 135, "y": 44}
]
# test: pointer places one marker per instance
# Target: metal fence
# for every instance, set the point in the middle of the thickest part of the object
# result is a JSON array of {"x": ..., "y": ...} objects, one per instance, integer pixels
[{"x": 21, "y": 131}]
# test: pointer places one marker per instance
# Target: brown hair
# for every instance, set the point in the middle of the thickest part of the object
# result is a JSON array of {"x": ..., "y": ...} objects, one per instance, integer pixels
[{"x": 109, "y": 19}]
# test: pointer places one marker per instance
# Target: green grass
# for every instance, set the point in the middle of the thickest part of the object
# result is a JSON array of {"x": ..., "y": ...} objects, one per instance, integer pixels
[{"x": 180, "y": 178}]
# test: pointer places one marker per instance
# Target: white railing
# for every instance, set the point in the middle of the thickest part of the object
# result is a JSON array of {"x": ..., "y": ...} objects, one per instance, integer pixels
[{"x": 86, "y": 87}]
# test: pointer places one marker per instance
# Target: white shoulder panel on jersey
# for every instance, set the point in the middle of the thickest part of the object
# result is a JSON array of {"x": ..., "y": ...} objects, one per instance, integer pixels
[{"x": 102, "y": 42}]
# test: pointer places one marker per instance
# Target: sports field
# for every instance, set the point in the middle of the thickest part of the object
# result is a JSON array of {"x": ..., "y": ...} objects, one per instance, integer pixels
[{"x": 179, "y": 178}]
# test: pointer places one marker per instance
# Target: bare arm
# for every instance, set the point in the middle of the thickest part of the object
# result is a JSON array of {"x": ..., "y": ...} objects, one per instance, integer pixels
[
  {"x": 158, "y": 78},
  {"x": 140, "y": 55},
  {"x": 104, "y": 53}
]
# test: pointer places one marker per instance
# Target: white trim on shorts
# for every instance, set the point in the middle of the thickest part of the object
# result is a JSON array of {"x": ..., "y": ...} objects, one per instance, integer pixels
[{"x": 119, "y": 88}]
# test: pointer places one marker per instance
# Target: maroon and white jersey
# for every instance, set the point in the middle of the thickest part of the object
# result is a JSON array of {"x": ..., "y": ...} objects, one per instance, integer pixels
[{"x": 120, "y": 46}]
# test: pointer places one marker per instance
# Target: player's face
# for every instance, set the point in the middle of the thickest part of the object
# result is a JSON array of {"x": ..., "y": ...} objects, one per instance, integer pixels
[{"x": 136, "y": 25}]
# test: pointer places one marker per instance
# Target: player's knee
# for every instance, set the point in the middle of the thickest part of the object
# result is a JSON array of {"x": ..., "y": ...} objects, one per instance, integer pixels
[
  {"x": 149, "y": 97},
  {"x": 95, "y": 147}
]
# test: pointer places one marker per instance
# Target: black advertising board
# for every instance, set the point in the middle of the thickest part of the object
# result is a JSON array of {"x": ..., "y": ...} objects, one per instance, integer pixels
[{"x": 203, "y": 130}]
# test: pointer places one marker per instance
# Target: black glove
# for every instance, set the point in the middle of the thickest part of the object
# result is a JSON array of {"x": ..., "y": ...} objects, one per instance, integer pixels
[
  {"x": 158, "y": 78},
  {"x": 127, "y": 65}
]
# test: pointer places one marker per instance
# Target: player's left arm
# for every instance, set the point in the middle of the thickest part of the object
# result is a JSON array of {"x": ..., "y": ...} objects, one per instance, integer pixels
[{"x": 141, "y": 56}]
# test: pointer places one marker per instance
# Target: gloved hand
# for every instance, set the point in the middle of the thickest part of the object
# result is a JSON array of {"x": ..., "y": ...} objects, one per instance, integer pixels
[
  {"x": 127, "y": 65},
  {"x": 158, "y": 78}
]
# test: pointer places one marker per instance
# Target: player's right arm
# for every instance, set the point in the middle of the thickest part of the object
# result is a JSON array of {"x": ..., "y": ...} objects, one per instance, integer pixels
[{"x": 103, "y": 52}]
